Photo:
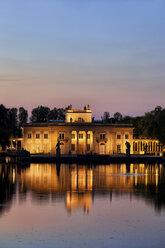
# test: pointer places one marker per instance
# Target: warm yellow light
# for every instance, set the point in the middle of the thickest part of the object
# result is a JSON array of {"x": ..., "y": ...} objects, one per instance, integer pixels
[
  {"x": 13, "y": 175},
  {"x": 135, "y": 176},
  {"x": 157, "y": 177}
]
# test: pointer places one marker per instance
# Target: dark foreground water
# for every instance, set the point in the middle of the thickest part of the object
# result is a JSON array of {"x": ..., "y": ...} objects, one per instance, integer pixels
[{"x": 49, "y": 205}]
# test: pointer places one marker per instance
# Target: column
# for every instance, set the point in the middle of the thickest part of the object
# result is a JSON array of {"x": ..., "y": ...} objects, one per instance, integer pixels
[
  {"x": 21, "y": 144},
  {"x": 42, "y": 148},
  {"x": 50, "y": 140},
  {"x": 86, "y": 132},
  {"x": 16, "y": 144},
  {"x": 153, "y": 147},
  {"x": 93, "y": 143},
  {"x": 69, "y": 141},
  {"x": 33, "y": 149},
  {"x": 77, "y": 142},
  {"x": 23, "y": 139}
]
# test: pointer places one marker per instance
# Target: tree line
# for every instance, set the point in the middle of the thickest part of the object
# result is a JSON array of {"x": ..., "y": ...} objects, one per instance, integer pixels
[
  {"x": 151, "y": 125},
  {"x": 11, "y": 120}
]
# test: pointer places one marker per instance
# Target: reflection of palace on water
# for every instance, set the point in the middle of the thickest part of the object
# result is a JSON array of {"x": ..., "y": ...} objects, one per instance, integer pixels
[
  {"x": 78, "y": 184},
  {"x": 78, "y": 134}
]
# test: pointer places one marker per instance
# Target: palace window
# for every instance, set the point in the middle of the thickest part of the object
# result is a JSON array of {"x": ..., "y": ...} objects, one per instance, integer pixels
[
  {"x": 118, "y": 136},
  {"x": 118, "y": 148},
  {"x": 102, "y": 136},
  {"x": 29, "y": 135},
  {"x": 73, "y": 147},
  {"x": 37, "y": 136},
  {"x": 88, "y": 136},
  {"x": 61, "y": 136},
  {"x": 80, "y": 135},
  {"x": 126, "y": 136},
  {"x": 73, "y": 135},
  {"x": 80, "y": 119},
  {"x": 88, "y": 147},
  {"x": 45, "y": 136}
]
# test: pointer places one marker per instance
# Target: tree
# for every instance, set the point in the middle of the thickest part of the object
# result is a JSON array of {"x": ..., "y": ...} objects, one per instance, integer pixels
[
  {"x": 61, "y": 114},
  {"x": 53, "y": 114},
  {"x": 40, "y": 114},
  {"x": 12, "y": 119},
  {"x": 22, "y": 116},
  {"x": 127, "y": 119},
  {"x": 4, "y": 138},
  {"x": 151, "y": 125},
  {"x": 4, "y": 123},
  {"x": 57, "y": 114},
  {"x": 106, "y": 117},
  {"x": 8, "y": 121},
  {"x": 118, "y": 117}
]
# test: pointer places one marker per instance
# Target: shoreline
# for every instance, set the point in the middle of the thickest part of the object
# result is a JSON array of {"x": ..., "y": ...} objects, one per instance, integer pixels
[
  {"x": 95, "y": 159},
  {"x": 79, "y": 159}
]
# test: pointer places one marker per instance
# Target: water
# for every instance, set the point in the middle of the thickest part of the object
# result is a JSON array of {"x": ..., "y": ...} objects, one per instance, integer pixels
[{"x": 49, "y": 205}]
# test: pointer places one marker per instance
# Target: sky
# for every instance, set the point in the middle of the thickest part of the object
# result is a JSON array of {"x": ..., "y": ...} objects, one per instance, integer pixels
[{"x": 106, "y": 53}]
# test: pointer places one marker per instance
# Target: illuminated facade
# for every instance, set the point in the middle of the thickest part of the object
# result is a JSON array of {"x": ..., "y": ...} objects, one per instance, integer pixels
[
  {"x": 147, "y": 146},
  {"x": 78, "y": 134}
]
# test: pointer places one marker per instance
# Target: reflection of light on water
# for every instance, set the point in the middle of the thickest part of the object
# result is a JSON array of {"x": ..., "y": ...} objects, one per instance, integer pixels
[
  {"x": 13, "y": 175},
  {"x": 135, "y": 176},
  {"x": 157, "y": 177},
  {"x": 89, "y": 179},
  {"x": 44, "y": 178},
  {"x": 79, "y": 201},
  {"x": 146, "y": 176},
  {"x": 74, "y": 180}
]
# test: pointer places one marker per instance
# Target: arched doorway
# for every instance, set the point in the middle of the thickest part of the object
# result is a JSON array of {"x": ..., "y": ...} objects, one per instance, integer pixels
[{"x": 102, "y": 149}]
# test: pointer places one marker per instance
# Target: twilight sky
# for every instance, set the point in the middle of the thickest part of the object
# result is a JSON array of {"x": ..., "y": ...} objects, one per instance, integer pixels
[{"x": 106, "y": 53}]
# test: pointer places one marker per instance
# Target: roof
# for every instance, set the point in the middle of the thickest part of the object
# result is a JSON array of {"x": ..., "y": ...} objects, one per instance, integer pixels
[
  {"x": 78, "y": 111},
  {"x": 80, "y": 124}
]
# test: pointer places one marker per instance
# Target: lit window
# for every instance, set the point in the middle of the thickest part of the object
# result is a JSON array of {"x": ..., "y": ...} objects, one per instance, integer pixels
[
  {"x": 37, "y": 135},
  {"x": 73, "y": 147},
  {"x": 73, "y": 136},
  {"x": 29, "y": 136},
  {"x": 126, "y": 136},
  {"x": 118, "y": 136},
  {"x": 88, "y": 136},
  {"x": 80, "y": 135},
  {"x": 61, "y": 136},
  {"x": 118, "y": 148},
  {"x": 102, "y": 136},
  {"x": 45, "y": 136},
  {"x": 80, "y": 119}
]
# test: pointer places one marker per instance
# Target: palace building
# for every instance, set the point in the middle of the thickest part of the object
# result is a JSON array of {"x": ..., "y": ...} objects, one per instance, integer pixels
[{"x": 78, "y": 134}]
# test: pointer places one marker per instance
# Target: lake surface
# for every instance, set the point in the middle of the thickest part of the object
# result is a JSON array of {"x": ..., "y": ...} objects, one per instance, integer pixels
[{"x": 62, "y": 205}]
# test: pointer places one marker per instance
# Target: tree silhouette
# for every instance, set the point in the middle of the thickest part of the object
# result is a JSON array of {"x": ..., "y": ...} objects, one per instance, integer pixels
[
  {"x": 40, "y": 114},
  {"x": 106, "y": 117},
  {"x": 22, "y": 116}
]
